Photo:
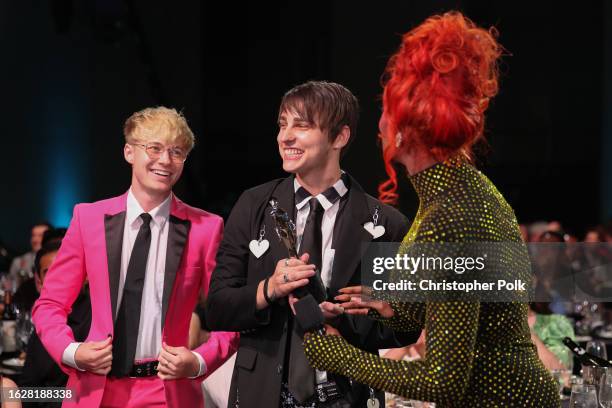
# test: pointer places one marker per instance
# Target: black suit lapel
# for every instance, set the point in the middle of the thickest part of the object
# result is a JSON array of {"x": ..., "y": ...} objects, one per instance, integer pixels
[
  {"x": 177, "y": 237},
  {"x": 349, "y": 237},
  {"x": 113, "y": 228}
]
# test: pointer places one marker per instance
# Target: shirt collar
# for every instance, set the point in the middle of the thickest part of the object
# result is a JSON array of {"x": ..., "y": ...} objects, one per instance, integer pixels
[
  {"x": 327, "y": 198},
  {"x": 159, "y": 214}
]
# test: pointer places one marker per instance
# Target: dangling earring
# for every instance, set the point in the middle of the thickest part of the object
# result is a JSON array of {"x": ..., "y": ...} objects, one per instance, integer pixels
[{"x": 398, "y": 139}]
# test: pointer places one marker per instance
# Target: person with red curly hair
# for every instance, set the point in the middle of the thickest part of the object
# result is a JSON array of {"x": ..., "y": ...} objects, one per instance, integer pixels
[{"x": 478, "y": 353}]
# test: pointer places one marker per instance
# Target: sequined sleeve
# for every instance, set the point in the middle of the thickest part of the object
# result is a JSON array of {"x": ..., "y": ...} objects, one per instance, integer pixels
[
  {"x": 551, "y": 329},
  {"x": 441, "y": 377}
]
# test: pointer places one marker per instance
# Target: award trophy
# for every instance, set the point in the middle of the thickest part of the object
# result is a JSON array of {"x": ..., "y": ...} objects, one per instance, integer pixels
[
  {"x": 284, "y": 227},
  {"x": 308, "y": 313}
]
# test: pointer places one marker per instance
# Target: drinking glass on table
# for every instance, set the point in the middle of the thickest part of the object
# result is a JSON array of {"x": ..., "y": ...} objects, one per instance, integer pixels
[
  {"x": 563, "y": 375},
  {"x": 24, "y": 327},
  {"x": 597, "y": 348},
  {"x": 583, "y": 396},
  {"x": 592, "y": 374},
  {"x": 605, "y": 390}
]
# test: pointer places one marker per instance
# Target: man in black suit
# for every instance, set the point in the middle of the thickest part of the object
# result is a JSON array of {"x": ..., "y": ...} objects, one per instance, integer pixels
[
  {"x": 333, "y": 217},
  {"x": 29, "y": 290}
]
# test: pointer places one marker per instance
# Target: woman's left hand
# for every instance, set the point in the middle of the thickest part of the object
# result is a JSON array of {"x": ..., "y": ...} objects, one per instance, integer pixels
[{"x": 353, "y": 302}]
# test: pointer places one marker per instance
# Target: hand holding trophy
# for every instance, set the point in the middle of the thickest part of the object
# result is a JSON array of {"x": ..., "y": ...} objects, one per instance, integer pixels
[{"x": 308, "y": 313}]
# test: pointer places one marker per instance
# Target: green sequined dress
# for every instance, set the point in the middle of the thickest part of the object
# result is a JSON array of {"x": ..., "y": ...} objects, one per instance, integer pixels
[{"x": 479, "y": 354}]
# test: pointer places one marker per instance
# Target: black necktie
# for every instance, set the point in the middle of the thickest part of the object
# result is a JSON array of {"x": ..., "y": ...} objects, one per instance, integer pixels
[
  {"x": 301, "y": 378},
  {"x": 128, "y": 317},
  {"x": 312, "y": 238}
]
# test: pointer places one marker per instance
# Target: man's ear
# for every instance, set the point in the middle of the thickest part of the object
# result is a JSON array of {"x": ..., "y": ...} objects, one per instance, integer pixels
[
  {"x": 342, "y": 139},
  {"x": 128, "y": 153},
  {"x": 37, "y": 282}
]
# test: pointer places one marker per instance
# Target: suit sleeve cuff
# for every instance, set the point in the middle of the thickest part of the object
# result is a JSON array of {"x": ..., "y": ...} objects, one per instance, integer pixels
[
  {"x": 202, "y": 370},
  {"x": 68, "y": 357}
]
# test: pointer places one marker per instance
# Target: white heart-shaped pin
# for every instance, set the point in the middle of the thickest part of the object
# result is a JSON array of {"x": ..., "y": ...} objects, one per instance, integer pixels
[
  {"x": 258, "y": 248},
  {"x": 373, "y": 402},
  {"x": 376, "y": 231}
]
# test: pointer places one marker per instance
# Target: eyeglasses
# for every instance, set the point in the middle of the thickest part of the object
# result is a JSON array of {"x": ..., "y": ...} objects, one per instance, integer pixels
[{"x": 155, "y": 150}]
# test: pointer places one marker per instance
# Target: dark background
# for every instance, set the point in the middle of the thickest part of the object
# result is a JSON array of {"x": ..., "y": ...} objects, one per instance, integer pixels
[{"x": 73, "y": 71}]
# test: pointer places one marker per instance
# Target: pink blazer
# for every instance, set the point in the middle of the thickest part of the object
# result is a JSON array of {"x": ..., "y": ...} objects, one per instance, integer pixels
[{"x": 92, "y": 249}]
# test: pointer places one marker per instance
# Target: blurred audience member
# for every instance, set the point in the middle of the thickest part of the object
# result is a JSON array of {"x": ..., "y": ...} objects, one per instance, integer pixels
[
  {"x": 552, "y": 271},
  {"x": 524, "y": 232},
  {"x": 536, "y": 229},
  {"x": 596, "y": 234},
  {"x": 53, "y": 234},
  {"x": 547, "y": 332},
  {"x": 597, "y": 261},
  {"x": 21, "y": 268},
  {"x": 29, "y": 290},
  {"x": 597, "y": 257},
  {"x": 569, "y": 237},
  {"x": 554, "y": 226},
  {"x": 39, "y": 369},
  {"x": 5, "y": 258},
  {"x": 608, "y": 229}
]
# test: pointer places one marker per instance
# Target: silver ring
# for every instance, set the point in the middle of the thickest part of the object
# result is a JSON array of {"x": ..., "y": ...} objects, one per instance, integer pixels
[
  {"x": 286, "y": 261},
  {"x": 285, "y": 277}
]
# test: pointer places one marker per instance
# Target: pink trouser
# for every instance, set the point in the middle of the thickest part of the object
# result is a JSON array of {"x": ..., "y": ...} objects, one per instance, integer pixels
[{"x": 134, "y": 393}]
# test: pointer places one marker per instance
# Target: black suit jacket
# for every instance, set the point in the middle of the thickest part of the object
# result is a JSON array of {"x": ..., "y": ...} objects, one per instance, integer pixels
[
  {"x": 26, "y": 295},
  {"x": 39, "y": 369},
  {"x": 231, "y": 303}
]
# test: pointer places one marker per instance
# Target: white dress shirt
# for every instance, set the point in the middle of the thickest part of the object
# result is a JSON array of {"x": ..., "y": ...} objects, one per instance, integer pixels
[
  {"x": 327, "y": 226},
  {"x": 149, "y": 341},
  {"x": 327, "y": 234}
]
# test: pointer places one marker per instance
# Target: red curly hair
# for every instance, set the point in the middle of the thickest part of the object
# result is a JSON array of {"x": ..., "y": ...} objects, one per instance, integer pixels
[{"x": 437, "y": 88}]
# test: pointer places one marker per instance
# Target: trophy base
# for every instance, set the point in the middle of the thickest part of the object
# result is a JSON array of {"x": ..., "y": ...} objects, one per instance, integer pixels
[{"x": 308, "y": 314}]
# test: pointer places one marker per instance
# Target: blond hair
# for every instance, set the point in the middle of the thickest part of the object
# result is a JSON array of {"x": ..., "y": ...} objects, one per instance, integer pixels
[{"x": 159, "y": 122}]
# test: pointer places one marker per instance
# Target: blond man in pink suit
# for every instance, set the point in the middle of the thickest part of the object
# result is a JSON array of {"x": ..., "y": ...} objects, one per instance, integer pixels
[{"x": 147, "y": 256}]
